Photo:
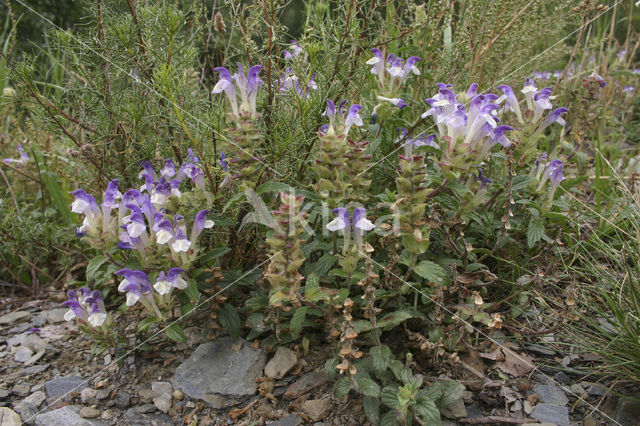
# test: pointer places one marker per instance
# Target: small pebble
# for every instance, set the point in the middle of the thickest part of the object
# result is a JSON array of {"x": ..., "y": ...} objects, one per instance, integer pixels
[
  {"x": 88, "y": 394},
  {"x": 102, "y": 394},
  {"x": 122, "y": 400},
  {"x": 90, "y": 413},
  {"x": 178, "y": 395},
  {"x": 146, "y": 408},
  {"x": 21, "y": 389}
]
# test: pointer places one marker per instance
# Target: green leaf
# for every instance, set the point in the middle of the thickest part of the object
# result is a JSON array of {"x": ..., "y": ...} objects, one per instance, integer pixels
[
  {"x": 390, "y": 320},
  {"x": 431, "y": 272},
  {"x": 312, "y": 283},
  {"x": 427, "y": 410},
  {"x": 230, "y": 320},
  {"x": 342, "y": 387},
  {"x": 144, "y": 325},
  {"x": 535, "y": 232},
  {"x": 257, "y": 302},
  {"x": 192, "y": 290},
  {"x": 330, "y": 367},
  {"x": 380, "y": 357},
  {"x": 273, "y": 187},
  {"x": 297, "y": 320},
  {"x": 213, "y": 254},
  {"x": 401, "y": 373},
  {"x": 323, "y": 265},
  {"x": 56, "y": 193},
  {"x": 445, "y": 392},
  {"x": 389, "y": 396},
  {"x": 94, "y": 265},
  {"x": 369, "y": 387},
  {"x": 235, "y": 199},
  {"x": 372, "y": 409},
  {"x": 174, "y": 332}
]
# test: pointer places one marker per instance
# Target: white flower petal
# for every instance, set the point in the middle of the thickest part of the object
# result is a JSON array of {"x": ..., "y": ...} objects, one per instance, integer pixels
[
  {"x": 132, "y": 298},
  {"x": 69, "y": 315},
  {"x": 336, "y": 224},
  {"x": 97, "y": 319},
  {"x": 162, "y": 287},
  {"x": 364, "y": 224}
]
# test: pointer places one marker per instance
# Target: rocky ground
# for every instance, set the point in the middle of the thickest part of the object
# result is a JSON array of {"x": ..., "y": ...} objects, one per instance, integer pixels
[{"x": 48, "y": 377}]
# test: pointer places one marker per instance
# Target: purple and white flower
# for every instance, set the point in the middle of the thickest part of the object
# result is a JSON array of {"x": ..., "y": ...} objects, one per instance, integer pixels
[
  {"x": 86, "y": 305},
  {"x": 247, "y": 85},
  {"x": 360, "y": 225},
  {"x": 294, "y": 51},
  {"x": 341, "y": 120},
  {"x": 21, "y": 160},
  {"x": 173, "y": 279}
]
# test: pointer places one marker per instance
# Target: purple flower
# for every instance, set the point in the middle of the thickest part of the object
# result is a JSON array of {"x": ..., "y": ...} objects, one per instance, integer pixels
[
  {"x": 169, "y": 169},
  {"x": 200, "y": 223},
  {"x": 511, "y": 101},
  {"x": 554, "y": 116},
  {"x": 597, "y": 78},
  {"x": 163, "y": 231},
  {"x": 360, "y": 225},
  {"x": 21, "y": 161},
  {"x": 225, "y": 84},
  {"x": 173, "y": 279},
  {"x": 223, "y": 162},
  {"x": 629, "y": 90},
  {"x": 135, "y": 284},
  {"x": 341, "y": 121},
  {"x": 86, "y": 305},
  {"x": 377, "y": 61},
  {"x": 622, "y": 54},
  {"x": 484, "y": 181},
  {"x": 472, "y": 91},
  {"x": 542, "y": 102},
  {"x": 294, "y": 51},
  {"x": 397, "y": 102}
]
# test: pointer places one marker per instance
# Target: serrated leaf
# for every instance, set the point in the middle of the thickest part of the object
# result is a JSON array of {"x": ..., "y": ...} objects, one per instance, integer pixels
[
  {"x": 445, "y": 392},
  {"x": 372, "y": 409},
  {"x": 144, "y": 325},
  {"x": 230, "y": 320},
  {"x": 342, "y": 387},
  {"x": 273, "y": 187},
  {"x": 257, "y": 302},
  {"x": 94, "y": 265},
  {"x": 389, "y": 396},
  {"x": 297, "y": 320},
  {"x": 380, "y": 357},
  {"x": 427, "y": 410},
  {"x": 330, "y": 367},
  {"x": 535, "y": 232},
  {"x": 401, "y": 373},
  {"x": 367, "y": 386},
  {"x": 174, "y": 332},
  {"x": 192, "y": 290},
  {"x": 312, "y": 283},
  {"x": 431, "y": 272},
  {"x": 323, "y": 265},
  {"x": 213, "y": 254}
]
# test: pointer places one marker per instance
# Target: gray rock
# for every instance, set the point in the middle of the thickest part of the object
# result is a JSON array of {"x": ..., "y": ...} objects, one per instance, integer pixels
[
  {"x": 35, "y": 398},
  {"x": 4, "y": 393},
  {"x": 541, "y": 350},
  {"x": 133, "y": 417},
  {"x": 551, "y": 394},
  {"x": 8, "y": 417},
  {"x": 516, "y": 406},
  {"x": 65, "y": 416},
  {"x": 122, "y": 400},
  {"x": 146, "y": 408},
  {"x": 162, "y": 402},
  {"x": 21, "y": 328},
  {"x": 40, "y": 319},
  {"x": 56, "y": 315},
  {"x": 35, "y": 369},
  {"x": 35, "y": 357},
  {"x": 627, "y": 411},
  {"x": 562, "y": 378},
  {"x": 21, "y": 389},
  {"x": 13, "y": 317},
  {"x": 290, "y": 420},
  {"x": 102, "y": 394},
  {"x": 28, "y": 412},
  {"x": 305, "y": 384},
  {"x": 146, "y": 395},
  {"x": 283, "y": 361},
  {"x": 161, "y": 388},
  {"x": 317, "y": 409},
  {"x": 551, "y": 413},
  {"x": 577, "y": 390},
  {"x": 61, "y": 387},
  {"x": 595, "y": 389},
  {"x": 455, "y": 410},
  {"x": 225, "y": 368},
  {"x": 90, "y": 413},
  {"x": 87, "y": 395}
]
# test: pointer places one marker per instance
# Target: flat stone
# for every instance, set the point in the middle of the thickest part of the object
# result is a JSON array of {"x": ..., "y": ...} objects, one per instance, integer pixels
[
  {"x": 35, "y": 398},
  {"x": 87, "y": 394},
  {"x": 455, "y": 410},
  {"x": 162, "y": 402},
  {"x": 551, "y": 413},
  {"x": 161, "y": 388},
  {"x": 23, "y": 354},
  {"x": 90, "y": 413},
  {"x": 28, "y": 412},
  {"x": 551, "y": 394},
  {"x": 527, "y": 407},
  {"x": 8, "y": 417},
  {"x": 627, "y": 411},
  {"x": 56, "y": 315},
  {"x": 40, "y": 319},
  {"x": 577, "y": 389},
  {"x": 35, "y": 357},
  {"x": 61, "y": 387},
  {"x": 35, "y": 369},
  {"x": 316, "y": 409},
  {"x": 123, "y": 399},
  {"x": 4, "y": 393},
  {"x": 146, "y": 395},
  {"x": 595, "y": 389},
  {"x": 133, "y": 417},
  {"x": 146, "y": 408},
  {"x": 21, "y": 389},
  {"x": 225, "y": 367},
  {"x": 562, "y": 378},
  {"x": 65, "y": 416},
  {"x": 305, "y": 384},
  {"x": 283, "y": 361},
  {"x": 102, "y": 394},
  {"x": 541, "y": 350},
  {"x": 290, "y": 420},
  {"x": 13, "y": 317},
  {"x": 20, "y": 328}
]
